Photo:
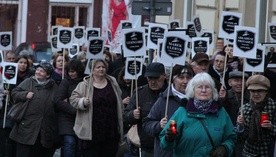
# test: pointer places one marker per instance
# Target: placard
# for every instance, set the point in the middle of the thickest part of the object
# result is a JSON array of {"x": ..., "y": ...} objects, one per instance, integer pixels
[
  {"x": 109, "y": 36},
  {"x": 190, "y": 29},
  {"x": 126, "y": 24},
  {"x": 174, "y": 48},
  {"x": 79, "y": 34},
  {"x": 92, "y": 32},
  {"x": 54, "y": 40},
  {"x": 9, "y": 72},
  {"x": 228, "y": 21},
  {"x": 65, "y": 37},
  {"x": 156, "y": 31},
  {"x": 209, "y": 34},
  {"x": 159, "y": 53},
  {"x": 55, "y": 30},
  {"x": 107, "y": 48},
  {"x": 197, "y": 26},
  {"x": 256, "y": 65},
  {"x": 134, "y": 42},
  {"x": 95, "y": 47},
  {"x": 74, "y": 50},
  {"x": 1, "y": 58},
  {"x": 200, "y": 45},
  {"x": 5, "y": 40},
  {"x": 173, "y": 24},
  {"x": 272, "y": 32},
  {"x": 245, "y": 42},
  {"x": 130, "y": 68}
]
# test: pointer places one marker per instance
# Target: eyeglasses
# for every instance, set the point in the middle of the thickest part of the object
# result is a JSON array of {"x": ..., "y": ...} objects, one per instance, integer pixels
[{"x": 200, "y": 87}]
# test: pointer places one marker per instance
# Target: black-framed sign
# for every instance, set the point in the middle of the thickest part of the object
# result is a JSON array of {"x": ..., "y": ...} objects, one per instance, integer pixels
[{"x": 5, "y": 40}]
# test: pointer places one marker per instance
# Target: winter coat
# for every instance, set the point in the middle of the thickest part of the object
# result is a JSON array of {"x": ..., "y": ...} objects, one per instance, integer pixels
[
  {"x": 9, "y": 122},
  {"x": 260, "y": 148},
  {"x": 146, "y": 99},
  {"x": 234, "y": 104},
  {"x": 192, "y": 139},
  {"x": 151, "y": 123},
  {"x": 65, "y": 112},
  {"x": 39, "y": 118},
  {"x": 83, "y": 122}
]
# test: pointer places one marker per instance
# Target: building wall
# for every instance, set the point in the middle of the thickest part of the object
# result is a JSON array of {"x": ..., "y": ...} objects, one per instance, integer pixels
[{"x": 37, "y": 17}]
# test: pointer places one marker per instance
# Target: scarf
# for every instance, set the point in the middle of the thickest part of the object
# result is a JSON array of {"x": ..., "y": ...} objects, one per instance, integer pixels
[
  {"x": 177, "y": 93},
  {"x": 58, "y": 71},
  {"x": 203, "y": 106},
  {"x": 42, "y": 83},
  {"x": 255, "y": 131}
]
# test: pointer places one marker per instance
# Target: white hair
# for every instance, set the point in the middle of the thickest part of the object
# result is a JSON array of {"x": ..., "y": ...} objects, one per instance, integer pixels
[{"x": 199, "y": 78}]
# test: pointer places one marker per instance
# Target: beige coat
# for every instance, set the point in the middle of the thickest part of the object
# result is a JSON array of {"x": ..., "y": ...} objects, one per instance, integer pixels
[{"x": 83, "y": 122}]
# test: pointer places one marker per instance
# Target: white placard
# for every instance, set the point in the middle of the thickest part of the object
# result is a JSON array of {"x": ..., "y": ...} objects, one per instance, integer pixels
[
  {"x": 173, "y": 24},
  {"x": 92, "y": 32},
  {"x": 74, "y": 50},
  {"x": 197, "y": 25},
  {"x": 256, "y": 65},
  {"x": 2, "y": 58},
  {"x": 159, "y": 53},
  {"x": 200, "y": 45},
  {"x": 209, "y": 34},
  {"x": 156, "y": 31},
  {"x": 126, "y": 24},
  {"x": 9, "y": 73},
  {"x": 272, "y": 32},
  {"x": 107, "y": 48},
  {"x": 65, "y": 37},
  {"x": 174, "y": 48},
  {"x": 134, "y": 42},
  {"x": 5, "y": 40},
  {"x": 130, "y": 68},
  {"x": 228, "y": 21},
  {"x": 95, "y": 47},
  {"x": 54, "y": 47},
  {"x": 55, "y": 30},
  {"x": 79, "y": 34},
  {"x": 245, "y": 42}
]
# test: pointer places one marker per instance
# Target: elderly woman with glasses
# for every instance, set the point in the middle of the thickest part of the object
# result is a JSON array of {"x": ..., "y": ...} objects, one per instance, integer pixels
[
  {"x": 203, "y": 127},
  {"x": 256, "y": 123}
]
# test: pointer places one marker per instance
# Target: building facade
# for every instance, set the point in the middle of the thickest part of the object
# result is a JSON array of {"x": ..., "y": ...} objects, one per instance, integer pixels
[{"x": 31, "y": 20}]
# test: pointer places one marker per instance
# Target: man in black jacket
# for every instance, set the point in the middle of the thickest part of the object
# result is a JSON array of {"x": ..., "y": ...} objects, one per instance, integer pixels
[{"x": 147, "y": 95}]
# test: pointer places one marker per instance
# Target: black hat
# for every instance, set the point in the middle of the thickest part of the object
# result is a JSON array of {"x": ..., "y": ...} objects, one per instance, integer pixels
[
  {"x": 155, "y": 70},
  {"x": 46, "y": 66},
  {"x": 237, "y": 74}
]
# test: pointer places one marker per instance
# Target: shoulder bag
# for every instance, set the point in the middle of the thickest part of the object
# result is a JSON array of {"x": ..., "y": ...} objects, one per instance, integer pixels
[
  {"x": 18, "y": 110},
  {"x": 133, "y": 136}
]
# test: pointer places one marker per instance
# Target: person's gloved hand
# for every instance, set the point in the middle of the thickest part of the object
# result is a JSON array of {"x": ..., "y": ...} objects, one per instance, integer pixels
[
  {"x": 220, "y": 151},
  {"x": 170, "y": 135}
]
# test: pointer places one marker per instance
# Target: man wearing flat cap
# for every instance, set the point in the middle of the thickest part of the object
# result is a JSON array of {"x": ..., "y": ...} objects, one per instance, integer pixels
[
  {"x": 147, "y": 95},
  {"x": 258, "y": 119},
  {"x": 234, "y": 96}
]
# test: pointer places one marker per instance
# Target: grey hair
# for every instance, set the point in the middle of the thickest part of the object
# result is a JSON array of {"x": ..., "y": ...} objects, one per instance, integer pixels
[{"x": 199, "y": 78}]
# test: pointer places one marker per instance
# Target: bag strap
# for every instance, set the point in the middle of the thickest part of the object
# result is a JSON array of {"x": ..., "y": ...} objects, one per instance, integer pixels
[{"x": 207, "y": 131}]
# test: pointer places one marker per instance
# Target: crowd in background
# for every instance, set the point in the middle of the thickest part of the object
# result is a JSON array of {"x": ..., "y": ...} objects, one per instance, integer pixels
[{"x": 217, "y": 113}]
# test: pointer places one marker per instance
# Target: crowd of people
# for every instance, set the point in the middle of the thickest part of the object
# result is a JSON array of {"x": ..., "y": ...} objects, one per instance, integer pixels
[{"x": 201, "y": 109}]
